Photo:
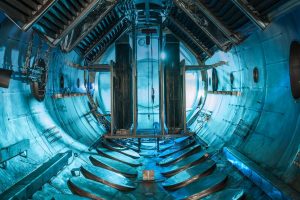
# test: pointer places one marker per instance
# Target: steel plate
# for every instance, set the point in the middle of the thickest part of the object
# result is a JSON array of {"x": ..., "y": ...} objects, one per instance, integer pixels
[
  {"x": 176, "y": 149},
  {"x": 184, "y": 164},
  {"x": 229, "y": 194},
  {"x": 189, "y": 175},
  {"x": 107, "y": 177},
  {"x": 179, "y": 155},
  {"x": 91, "y": 189},
  {"x": 126, "y": 152},
  {"x": 118, "y": 157},
  {"x": 114, "y": 166},
  {"x": 201, "y": 188}
]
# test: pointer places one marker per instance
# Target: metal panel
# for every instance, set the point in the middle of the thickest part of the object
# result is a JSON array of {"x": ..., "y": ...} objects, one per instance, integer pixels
[
  {"x": 251, "y": 13},
  {"x": 107, "y": 177},
  {"x": 5, "y": 76},
  {"x": 27, "y": 186},
  {"x": 204, "y": 28},
  {"x": 122, "y": 85},
  {"x": 114, "y": 166},
  {"x": 13, "y": 150},
  {"x": 173, "y": 86},
  {"x": 24, "y": 21},
  {"x": 273, "y": 187}
]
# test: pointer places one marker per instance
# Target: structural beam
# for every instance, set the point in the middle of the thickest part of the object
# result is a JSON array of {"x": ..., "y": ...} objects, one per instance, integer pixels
[
  {"x": 22, "y": 21},
  {"x": 205, "y": 67},
  {"x": 198, "y": 57},
  {"x": 161, "y": 85},
  {"x": 27, "y": 186},
  {"x": 192, "y": 37},
  {"x": 148, "y": 136},
  {"x": 94, "y": 67},
  {"x": 203, "y": 28},
  {"x": 95, "y": 23},
  {"x": 134, "y": 75},
  {"x": 112, "y": 117},
  {"x": 99, "y": 40},
  {"x": 231, "y": 93},
  {"x": 75, "y": 22},
  {"x": 9, "y": 152},
  {"x": 67, "y": 95},
  {"x": 272, "y": 186},
  {"x": 233, "y": 37},
  {"x": 251, "y": 13},
  {"x": 183, "y": 70}
]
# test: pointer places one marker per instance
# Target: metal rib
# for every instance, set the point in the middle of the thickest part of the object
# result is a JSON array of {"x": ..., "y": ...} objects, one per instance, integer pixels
[
  {"x": 99, "y": 19},
  {"x": 213, "y": 38},
  {"x": 114, "y": 166},
  {"x": 199, "y": 44},
  {"x": 233, "y": 37},
  {"x": 249, "y": 11}
]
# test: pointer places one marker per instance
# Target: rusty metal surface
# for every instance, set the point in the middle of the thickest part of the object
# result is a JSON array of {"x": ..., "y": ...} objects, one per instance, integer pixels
[
  {"x": 114, "y": 166},
  {"x": 189, "y": 175},
  {"x": 107, "y": 177}
]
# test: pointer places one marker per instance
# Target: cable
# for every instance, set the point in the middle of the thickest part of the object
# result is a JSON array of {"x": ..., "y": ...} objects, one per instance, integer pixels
[{"x": 148, "y": 83}]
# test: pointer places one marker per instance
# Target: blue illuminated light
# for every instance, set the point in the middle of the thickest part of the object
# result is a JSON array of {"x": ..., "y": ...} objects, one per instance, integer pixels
[{"x": 163, "y": 55}]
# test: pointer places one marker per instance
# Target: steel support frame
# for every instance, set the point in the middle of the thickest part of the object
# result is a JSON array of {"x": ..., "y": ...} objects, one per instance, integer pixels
[
  {"x": 149, "y": 136},
  {"x": 233, "y": 37},
  {"x": 74, "y": 23},
  {"x": 199, "y": 44},
  {"x": 161, "y": 84},
  {"x": 32, "y": 19},
  {"x": 112, "y": 117},
  {"x": 251, "y": 13},
  {"x": 204, "y": 67},
  {"x": 27, "y": 186},
  {"x": 207, "y": 32},
  {"x": 102, "y": 38},
  {"x": 99, "y": 54},
  {"x": 99, "y": 19},
  {"x": 93, "y": 68},
  {"x": 134, "y": 76},
  {"x": 200, "y": 60},
  {"x": 183, "y": 71}
]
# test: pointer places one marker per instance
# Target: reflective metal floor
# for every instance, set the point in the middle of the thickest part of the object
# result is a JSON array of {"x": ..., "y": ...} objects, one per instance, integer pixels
[{"x": 197, "y": 172}]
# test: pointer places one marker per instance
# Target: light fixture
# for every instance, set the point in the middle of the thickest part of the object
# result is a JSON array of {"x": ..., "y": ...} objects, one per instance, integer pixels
[{"x": 163, "y": 55}]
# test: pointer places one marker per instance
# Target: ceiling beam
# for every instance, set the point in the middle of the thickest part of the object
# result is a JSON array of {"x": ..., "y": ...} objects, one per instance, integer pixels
[
  {"x": 233, "y": 37},
  {"x": 124, "y": 27},
  {"x": 205, "y": 67},
  {"x": 95, "y": 23},
  {"x": 99, "y": 40},
  {"x": 252, "y": 14},
  {"x": 75, "y": 22},
  {"x": 192, "y": 37},
  {"x": 203, "y": 28}
]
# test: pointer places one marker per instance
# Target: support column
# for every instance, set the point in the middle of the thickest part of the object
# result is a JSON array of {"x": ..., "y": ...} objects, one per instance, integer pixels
[
  {"x": 161, "y": 84},
  {"x": 134, "y": 77}
]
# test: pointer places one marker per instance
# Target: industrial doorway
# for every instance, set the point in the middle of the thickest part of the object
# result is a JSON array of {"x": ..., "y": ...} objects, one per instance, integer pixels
[{"x": 148, "y": 83}]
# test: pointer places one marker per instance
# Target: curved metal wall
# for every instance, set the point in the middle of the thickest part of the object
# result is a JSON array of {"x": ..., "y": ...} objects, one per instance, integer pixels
[
  {"x": 265, "y": 111},
  {"x": 23, "y": 117},
  {"x": 264, "y": 121}
]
